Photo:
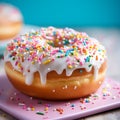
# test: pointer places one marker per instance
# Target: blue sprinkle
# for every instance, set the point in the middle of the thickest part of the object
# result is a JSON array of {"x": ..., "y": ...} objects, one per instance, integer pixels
[
  {"x": 27, "y": 48},
  {"x": 72, "y": 105},
  {"x": 87, "y": 59},
  {"x": 54, "y": 33},
  {"x": 84, "y": 43},
  {"x": 60, "y": 51},
  {"x": 10, "y": 55},
  {"x": 81, "y": 71}
]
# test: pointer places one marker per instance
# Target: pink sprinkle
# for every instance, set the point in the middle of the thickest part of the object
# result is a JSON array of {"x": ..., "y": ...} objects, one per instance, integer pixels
[
  {"x": 81, "y": 63},
  {"x": 16, "y": 63},
  {"x": 24, "y": 107}
]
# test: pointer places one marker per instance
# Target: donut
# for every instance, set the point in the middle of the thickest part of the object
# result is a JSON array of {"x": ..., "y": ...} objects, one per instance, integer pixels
[
  {"x": 55, "y": 64},
  {"x": 10, "y": 21}
]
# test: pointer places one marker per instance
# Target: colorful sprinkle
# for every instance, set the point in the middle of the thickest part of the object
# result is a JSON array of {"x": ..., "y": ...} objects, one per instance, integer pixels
[{"x": 40, "y": 113}]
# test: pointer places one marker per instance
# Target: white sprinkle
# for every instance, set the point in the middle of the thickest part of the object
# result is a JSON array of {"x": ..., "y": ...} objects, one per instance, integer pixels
[
  {"x": 75, "y": 87},
  {"x": 28, "y": 109},
  {"x": 31, "y": 98},
  {"x": 54, "y": 109},
  {"x": 66, "y": 86},
  {"x": 53, "y": 90},
  {"x": 21, "y": 104},
  {"x": 11, "y": 98},
  {"x": 48, "y": 69},
  {"x": 113, "y": 97},
  {"x": 63, "y": 88}
]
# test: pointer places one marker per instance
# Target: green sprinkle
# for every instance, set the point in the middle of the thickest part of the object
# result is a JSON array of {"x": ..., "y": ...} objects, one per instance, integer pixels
[
  {"x": 13, "y": 58},
  {"x": 66, "y": 42},
  {"x": 43, "y": 48},
  {"x": 71, "y": 53},
  {"x": 90, "y": 65},
  {"x": 58, "y": 56},
  {"x": 39, "y": 113}
]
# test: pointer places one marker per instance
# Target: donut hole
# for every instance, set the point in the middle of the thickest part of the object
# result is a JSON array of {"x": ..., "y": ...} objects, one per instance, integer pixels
[{"x": 60, "y": 42}]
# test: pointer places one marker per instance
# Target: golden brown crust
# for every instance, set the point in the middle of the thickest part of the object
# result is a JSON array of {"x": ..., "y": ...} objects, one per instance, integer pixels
[{"x": 58, "y": 87}]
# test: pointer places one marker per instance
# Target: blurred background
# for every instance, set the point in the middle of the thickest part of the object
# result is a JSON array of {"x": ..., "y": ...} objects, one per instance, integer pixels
[{"x": 71, "y": 13}]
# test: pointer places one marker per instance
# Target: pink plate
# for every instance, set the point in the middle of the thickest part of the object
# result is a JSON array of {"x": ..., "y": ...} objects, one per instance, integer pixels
[{"x": 27, "y": 108}]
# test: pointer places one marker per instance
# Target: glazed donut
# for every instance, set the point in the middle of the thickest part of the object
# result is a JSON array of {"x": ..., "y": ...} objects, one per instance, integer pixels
[
  {"x": 55, "y": 64},
  {"x": 10, "y": 21}
]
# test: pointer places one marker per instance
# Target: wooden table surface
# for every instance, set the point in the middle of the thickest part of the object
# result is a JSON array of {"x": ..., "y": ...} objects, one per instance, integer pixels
[{"x": 110, "y": 38}]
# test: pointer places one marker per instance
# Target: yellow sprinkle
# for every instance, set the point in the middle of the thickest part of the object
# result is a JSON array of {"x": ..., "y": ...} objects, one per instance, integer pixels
[
  {"x": 91, "y": 46},
  {"x": 32, "y": 108},
  {"x": 33, "y": 62},
  {"x": 57, "y": 40},
  {"x": 79, "y": 36},
  {"x": 19, "y": 65},
  {"x": 47, "y": 61},
  {"x": 70, "y": 66},
  {"x": 75, "y": 53},
  {"x": 46, "y": 109},
  {"x": 72, "y": 35},
  {"x": 104, "y": 90}
]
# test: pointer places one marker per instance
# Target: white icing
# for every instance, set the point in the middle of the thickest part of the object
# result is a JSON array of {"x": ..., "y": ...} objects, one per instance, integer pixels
[{"x": 58, "y": 65}]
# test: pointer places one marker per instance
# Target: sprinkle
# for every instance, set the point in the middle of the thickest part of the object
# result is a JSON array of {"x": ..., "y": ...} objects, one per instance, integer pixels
[
  {"x": 66, "y": 86},
  {"x": 70, "y": 66},
  {"x": 81, "y": 63},
  {"x": 31, "y": 98},
  {"x": 81, "y": 100},
  {"x": 82, "y": 107},
  {"x": 87, "y": 59},
  {"x": 28, "y": 109},
  {"x": 53, "y": 90},
  {"x": 81, "y": 71},
  {"x": 114, "y": 97},
  {"x": 40, "y": 113},
  {"x": 33, "y": 62},
  {"x": 67, "y": 104},
  {"x": 47, "y": 61},
  {"x": 73, "y": 105},
  {"x": 21, "y": 104},
  {"x": 60, "y": 110},
  {"x": 96, "y": 57},
  {"x": 75, "y": 87},
  {"x": 46, "y": 109},
  {"x": 87, "y": 100},
  {"x": 90, "y": 65},
  {"x": 32, "y": 108}
]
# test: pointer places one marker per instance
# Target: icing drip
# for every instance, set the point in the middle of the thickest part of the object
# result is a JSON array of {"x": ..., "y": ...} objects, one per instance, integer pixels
[{"x": 38, "y": 51}]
